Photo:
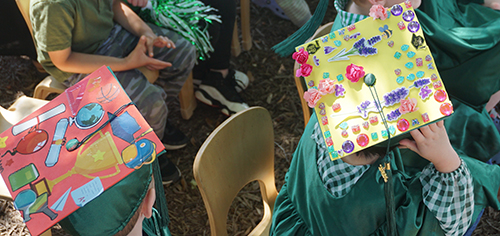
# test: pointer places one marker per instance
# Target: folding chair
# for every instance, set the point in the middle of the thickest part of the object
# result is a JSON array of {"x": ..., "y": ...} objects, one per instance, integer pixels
[{"x": 236, "y": 153}]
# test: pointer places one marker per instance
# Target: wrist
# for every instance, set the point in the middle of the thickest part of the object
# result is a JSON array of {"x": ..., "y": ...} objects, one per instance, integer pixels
[{"x": 448, "y": 164}]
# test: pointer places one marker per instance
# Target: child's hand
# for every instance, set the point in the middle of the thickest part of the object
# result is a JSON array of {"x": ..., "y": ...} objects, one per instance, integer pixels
[
  {"x": 138, "y": 57},
  {"x": 432, "y": 143},
  {"x": 158, "y": 41},
  {"x": 138, "y": 3},
  {"x": 493, "y": 4}
]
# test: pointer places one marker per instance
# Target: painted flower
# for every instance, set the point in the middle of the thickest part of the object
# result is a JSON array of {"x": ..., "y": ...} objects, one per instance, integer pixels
[
  {"x": 378, "y": 12},
  {"x": 326, "y": 86},
  {"x": 408, "y": 105},
  {"x": 301, "y": 56},
  {"x": 312, "y": 97},
  {"x": 354, "y": 73},
  {"x": 304, "y": 70}
]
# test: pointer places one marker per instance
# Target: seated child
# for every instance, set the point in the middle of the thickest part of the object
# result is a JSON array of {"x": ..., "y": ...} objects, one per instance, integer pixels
[
  {"x": 346, "y": 196},
  {"x": 74, "y": 38}
]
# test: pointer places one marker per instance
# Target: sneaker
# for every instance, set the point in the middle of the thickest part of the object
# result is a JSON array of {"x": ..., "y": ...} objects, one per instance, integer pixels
[
  {"x": 239, "y": 80},
  {"x": 169, "y": 171},
  {"x": 173, "y": 138},
  {"x": 219, "y": 92}
]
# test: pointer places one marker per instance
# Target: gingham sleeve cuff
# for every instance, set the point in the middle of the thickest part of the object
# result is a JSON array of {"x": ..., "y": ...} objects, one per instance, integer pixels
[{"x": 450, "y": 197}]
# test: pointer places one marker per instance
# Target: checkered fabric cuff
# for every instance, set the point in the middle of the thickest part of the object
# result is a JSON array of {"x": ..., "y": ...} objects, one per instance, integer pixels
[
  {"x": 338, "y": 177},
  {"x": 450, "y": 197}
]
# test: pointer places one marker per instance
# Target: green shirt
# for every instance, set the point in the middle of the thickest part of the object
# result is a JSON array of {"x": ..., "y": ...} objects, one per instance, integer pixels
[{"x": 82, "y": 25}]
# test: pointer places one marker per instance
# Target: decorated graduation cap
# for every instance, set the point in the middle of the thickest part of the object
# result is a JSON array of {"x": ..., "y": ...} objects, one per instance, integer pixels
[
  {"x": 86, "y": 157},
  {"x": 372, "y": 80}
]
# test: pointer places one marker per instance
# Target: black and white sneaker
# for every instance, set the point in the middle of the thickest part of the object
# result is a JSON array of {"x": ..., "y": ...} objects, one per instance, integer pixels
[
  {"x": 220, "y": 92},
  {"x": 239, "y": 80},
  {"x": 173, "y": 138},
  {"x": 170, "y": 173}
]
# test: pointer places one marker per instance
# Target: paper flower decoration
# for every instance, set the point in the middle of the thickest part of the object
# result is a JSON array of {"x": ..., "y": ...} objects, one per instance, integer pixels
[
  {"x": 326, "y": 86},
  {"x": 378, "y": 12},
  {"x": 312, "y": 97},
  {"x": 408, "y": 105},
  {"x": 301, "y": 56},
  {"x": 354, "y": 73},
  {"x": 304, "y": 70}
]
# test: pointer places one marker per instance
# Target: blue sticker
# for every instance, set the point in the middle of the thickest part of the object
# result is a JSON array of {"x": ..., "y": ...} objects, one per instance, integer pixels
[
  {"x": 392, "y": 129},
  {"x": 344, "y": 125},
  {"x": 327, "y": 133},
  {"x": 326, "y": 75},
  {"x": 410, "y": 54},
  {"x": 410, "y": 77},
  {"x": 330, "y": 149},
  {"x": 340, "y": 77},
  {"x": 384, "y": 133},
  {"x": 397, "y": 55},
  {"x": 337, "y": 43},
  {"x": 405, "y": 47},
  {"x": 332, "y": 35},
  {"x": 400, "y": 79},
  {"x": 420, "y": 74},
  {"x": 409, "y": 65},
  {"x": 334, "y": 153}
]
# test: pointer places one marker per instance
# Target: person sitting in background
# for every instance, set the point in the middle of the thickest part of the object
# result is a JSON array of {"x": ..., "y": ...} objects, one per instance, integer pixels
[{"x": 77, "y": 37}]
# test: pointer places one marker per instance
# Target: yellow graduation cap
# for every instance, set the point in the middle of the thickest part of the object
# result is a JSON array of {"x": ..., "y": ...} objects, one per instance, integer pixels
[{"x": 372, "y": 80}]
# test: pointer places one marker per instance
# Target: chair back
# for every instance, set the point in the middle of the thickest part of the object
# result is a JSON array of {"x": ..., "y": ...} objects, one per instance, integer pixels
[
  {"x": 239, "y": 151},
  {"x": 299, "y": 82},
  {"x": 24, "y": 8},
  {"x": 21, "y": 108}
]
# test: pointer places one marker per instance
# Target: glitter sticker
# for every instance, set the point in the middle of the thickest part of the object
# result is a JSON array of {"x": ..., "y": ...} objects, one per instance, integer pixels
[
  {"x": 437, "y": 84},
  {"x": 425, "y": 117},
  {"x": 401, "y": 25},
  {"x": 328, "y": 134},
  {"x": 344, "y": 125},
  {"x": 356, "y": 129},
  {"x": 440, "y": 95},
  {"x": 413, "y": 26},
  {"x": 434, "y": 77},
  {"x": 344, "y": 133},
  {"x": 326, "y": 75},
  {"x": 329, "y": 141},
  {"x": 366, "y": 125},
  {"x": 310, "y": 83},
  {"x": 336, "y": 107},
  {"x": 419, "y": 62},
  {"x": 337, "y": 43},
  {"x": 384, "y": 133},
  {"x": 324, "y": 39},
  {"x": 397, "y": 71},
  {"x": 420, "y": 74},
  {"x": 322, "y": 112},
  {"x": 405, "y": 47},
  {"x": 403, "y": 125},
  {"x": 362, "y": 140},
  {"x": 392, "y": 129},
  {"x": 331, "y": 149},
  {"x": 415, "y": 122},
  {"x": 396, "y": 10},
  {"x": 400, "y": 79},
  {"x": 332, "y": 35},
  {"x": 390, "y": 43},
  {"x": 409, "y": 65},
  {"x": 430, "y": 66},
  {"x": 340, "y": 78},
  {"x": 428, "y": 58},
  {"x": 321, "y": 105},
  {"x": 374, "y": 135},
  {"x": 397, "y": 55},
  {"x": 408, "y": 15},
  {"x": 410, "y": 54},
  {"x": 373, "y": 120},
  {"x": 348, "y": 146},
  {"x": 446, "y": 109},
  {"x": 411, "y": 77},
  {"x": 324, "y": 120}
]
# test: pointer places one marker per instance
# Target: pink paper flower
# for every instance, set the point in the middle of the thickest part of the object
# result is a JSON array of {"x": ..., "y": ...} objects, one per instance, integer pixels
[
  {"x": 354, "y": 73},
  {"x": 312, "y": 97},
  {"x": 378, "y": 12},
  {"x": 326, "y": 86},
  {"x": 304, "y": 70},
  {"x": 409, "y": 105},
  {"x": 301, "y": 56}
]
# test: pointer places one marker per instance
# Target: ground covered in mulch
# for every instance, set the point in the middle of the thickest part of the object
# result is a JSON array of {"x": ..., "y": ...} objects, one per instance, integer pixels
[{"x": 272, "y": 87}]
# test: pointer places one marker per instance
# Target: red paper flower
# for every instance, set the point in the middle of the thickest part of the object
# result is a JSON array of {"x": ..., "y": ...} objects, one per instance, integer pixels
[
  {"x": 326, "y": 86},
  {"x": 409, "y": 105},
  {"x": 304, "y": 70},
  {"x": 354, "y": 73},
  {"x": 312, "y": 97},
  {"x": 301, "y": 56},
  {"x": 378, "y": 12}
]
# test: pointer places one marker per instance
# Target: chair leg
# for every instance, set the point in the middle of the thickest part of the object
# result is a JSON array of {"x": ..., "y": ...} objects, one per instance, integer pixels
[
  {"x": 235, "y": 43},
  {"x": 245, "y": 24},
  {"x": 186, "y": 98}
]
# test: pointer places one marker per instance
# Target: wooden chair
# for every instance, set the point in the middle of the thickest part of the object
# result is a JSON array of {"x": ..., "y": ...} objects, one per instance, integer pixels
[
  {"x": 299, "y": 82},
  {"x": 236, "y": 153},
  {"x": 51, "y": 85},
  {"x": 245, "y": 30}
]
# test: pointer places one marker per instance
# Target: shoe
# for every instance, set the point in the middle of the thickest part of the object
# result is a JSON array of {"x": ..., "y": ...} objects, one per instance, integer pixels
[
  {"x": 169, "y": 171},
  {"x": 220, "y": 92},
  {"x": 173, "y": 138},
  {"x": 240, "y": 79},
  {"x": 273, "y": 6}
]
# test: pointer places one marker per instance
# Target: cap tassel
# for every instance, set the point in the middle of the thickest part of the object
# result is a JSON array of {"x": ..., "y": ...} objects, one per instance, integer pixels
[
  {"x": 161, "y": 201},
  {"x": 287, "y": 46},
  {"x": 385, "y": 169}
]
